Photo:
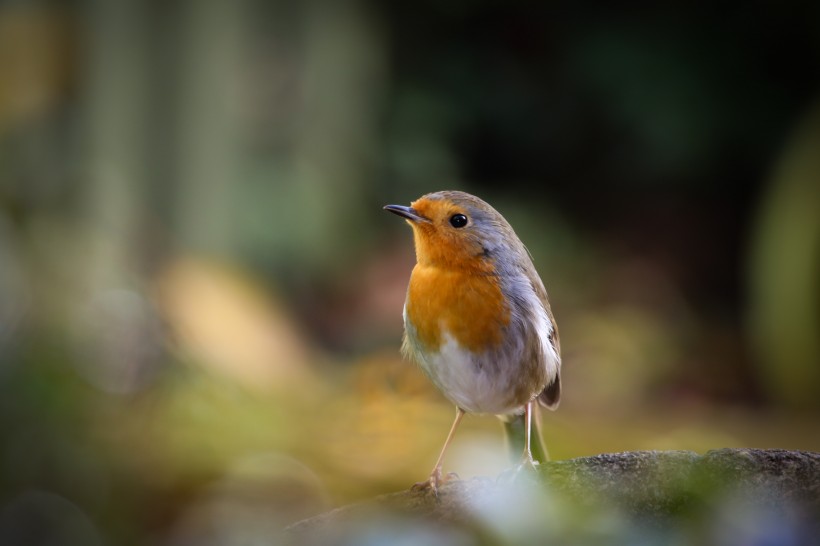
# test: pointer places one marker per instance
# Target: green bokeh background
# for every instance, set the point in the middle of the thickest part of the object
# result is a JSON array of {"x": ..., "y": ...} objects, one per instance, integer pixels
[{"x": 200, "y": 297}]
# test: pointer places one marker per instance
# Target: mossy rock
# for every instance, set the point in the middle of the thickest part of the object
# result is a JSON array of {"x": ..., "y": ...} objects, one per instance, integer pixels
[{"x": 725, "y": 496}]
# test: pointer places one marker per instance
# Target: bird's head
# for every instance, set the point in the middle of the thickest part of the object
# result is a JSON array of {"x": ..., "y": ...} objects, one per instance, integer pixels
[{"x": 453, "y": 229}]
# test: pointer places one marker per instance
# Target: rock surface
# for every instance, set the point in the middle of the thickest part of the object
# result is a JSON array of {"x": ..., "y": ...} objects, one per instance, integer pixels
[{"x": 673, "y": 493}]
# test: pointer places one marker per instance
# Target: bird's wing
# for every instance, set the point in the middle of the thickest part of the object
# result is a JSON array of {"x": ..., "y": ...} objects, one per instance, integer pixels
[{"x": 551, "y": 395}]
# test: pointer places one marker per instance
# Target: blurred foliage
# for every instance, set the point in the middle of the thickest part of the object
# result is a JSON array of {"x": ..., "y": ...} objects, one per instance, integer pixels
[{"x": 200, "y": 297}]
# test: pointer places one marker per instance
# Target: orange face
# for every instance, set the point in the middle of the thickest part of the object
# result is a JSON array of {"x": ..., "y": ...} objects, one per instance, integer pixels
[{"x": 442, "y": 240}]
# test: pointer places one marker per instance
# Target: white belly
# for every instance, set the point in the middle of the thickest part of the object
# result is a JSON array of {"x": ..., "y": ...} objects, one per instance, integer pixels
[{"x": 473, "y": 388}]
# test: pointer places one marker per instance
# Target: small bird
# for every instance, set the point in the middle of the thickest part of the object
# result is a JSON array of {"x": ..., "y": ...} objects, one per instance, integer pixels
[{"x": 477, "y": 318}]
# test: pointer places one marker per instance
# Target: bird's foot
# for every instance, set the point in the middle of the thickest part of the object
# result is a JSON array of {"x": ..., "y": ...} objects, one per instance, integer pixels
[
  {"x": 433, "y": 482},
  {"x": 528, "y": 467},
  {"x": 528, "y": 464}
]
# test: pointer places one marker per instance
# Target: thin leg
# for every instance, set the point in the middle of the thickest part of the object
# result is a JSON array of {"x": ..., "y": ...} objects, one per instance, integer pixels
[
  {"x": 435, "y": 475},
  {"x": 527, "y": 456},
  {"x": 527, "y": 464}
]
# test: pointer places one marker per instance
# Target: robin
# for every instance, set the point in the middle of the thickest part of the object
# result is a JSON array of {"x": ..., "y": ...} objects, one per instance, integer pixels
[{"x": 477, "y": 318}]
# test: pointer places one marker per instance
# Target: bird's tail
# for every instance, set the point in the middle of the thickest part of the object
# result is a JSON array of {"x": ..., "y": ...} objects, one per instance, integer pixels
[{"x": 515, "y": 429}]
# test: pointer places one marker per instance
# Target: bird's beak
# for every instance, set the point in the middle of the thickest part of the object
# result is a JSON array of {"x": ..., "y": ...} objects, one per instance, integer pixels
[{"x": 406, "y": 212}]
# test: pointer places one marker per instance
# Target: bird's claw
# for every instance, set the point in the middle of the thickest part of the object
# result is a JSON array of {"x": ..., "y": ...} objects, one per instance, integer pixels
[
  {"x": 433, "y": 482},
  {"x": 527, "y": 467},
  {"x": 527, "y": 464}
]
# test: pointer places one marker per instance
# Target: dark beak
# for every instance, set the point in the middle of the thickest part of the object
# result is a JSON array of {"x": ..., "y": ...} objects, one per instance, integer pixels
[{"x": 406, "y": 212}]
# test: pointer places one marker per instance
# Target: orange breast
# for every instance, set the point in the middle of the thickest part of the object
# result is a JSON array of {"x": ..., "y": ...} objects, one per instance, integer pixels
[{"x": 468, "y": 306}]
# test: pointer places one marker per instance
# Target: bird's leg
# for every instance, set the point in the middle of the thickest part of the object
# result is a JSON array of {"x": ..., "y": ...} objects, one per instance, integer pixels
[
  {"x": 528, "y": 464},
  {"x": 435, "y": 476},
  {"x": 526, "y": 458}
]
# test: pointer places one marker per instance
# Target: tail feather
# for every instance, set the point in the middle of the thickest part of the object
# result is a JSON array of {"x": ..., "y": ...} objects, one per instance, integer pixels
[{"x": 551, "y": 395}]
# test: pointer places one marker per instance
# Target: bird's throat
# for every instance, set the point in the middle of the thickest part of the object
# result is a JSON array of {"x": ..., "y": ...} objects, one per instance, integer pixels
[{"x": 468, "y": 307}]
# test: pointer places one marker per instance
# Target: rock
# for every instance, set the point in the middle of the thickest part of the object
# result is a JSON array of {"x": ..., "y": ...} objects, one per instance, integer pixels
[{"x": 752, "y": 494}]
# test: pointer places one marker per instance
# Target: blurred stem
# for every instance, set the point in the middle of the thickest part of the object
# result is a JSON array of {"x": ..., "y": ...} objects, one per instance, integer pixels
[
  {"x": 342, "y": 81},
  {"x": 515, "y": 429},
  {"x": 116, "y": 117},
  {"x": 785, "y": 269},
  {"x": 209, "y": 125}
]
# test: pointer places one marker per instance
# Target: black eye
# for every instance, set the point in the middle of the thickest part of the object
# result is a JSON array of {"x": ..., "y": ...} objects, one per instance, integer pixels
[{"x": 458, "y": 220}]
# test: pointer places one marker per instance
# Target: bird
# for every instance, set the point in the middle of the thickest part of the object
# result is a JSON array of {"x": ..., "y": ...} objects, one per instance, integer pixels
[{"x": 477, "y": 319}]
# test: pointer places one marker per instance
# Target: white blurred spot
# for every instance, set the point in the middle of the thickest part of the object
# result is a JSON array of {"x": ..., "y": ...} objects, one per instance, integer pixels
[
  {"x": 484, "y": 455},
  {"x": 118, "y": 339},
  {"x": 747, "y": 517}
]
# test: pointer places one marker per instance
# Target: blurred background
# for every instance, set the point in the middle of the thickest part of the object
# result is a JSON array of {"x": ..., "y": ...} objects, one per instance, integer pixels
[{"x": 200, "y": 296}]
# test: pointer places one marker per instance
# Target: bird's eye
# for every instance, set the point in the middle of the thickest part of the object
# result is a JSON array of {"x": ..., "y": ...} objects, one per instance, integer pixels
[{"x": 458, "y": 220}]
